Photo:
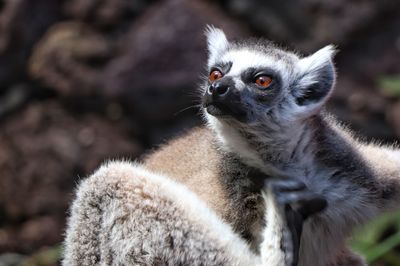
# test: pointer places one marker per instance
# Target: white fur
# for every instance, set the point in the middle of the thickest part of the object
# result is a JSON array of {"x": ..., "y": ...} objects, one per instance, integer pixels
[
  {"x": 273, "y": 233},
  {"x": 217, "y": 42},
  {"x": 309, "y": 71},
  {"x": 243, "y": 59},
  {"x": 317, "y": 60},
  {"x": 232, "y": 141}
]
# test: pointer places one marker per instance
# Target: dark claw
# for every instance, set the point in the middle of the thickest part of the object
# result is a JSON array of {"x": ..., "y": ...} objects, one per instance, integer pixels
[
  {"x": 304, "y": 202},
  {"x": 296, "y": 195},
  {"x": 311, "y": 206}
]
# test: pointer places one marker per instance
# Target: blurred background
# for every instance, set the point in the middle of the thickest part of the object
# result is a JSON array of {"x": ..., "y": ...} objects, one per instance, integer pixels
[{"x": 82, "y": 81}]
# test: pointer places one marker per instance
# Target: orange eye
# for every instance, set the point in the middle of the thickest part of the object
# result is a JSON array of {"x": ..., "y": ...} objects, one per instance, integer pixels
[
  {"x": 263, "y": 81},
  {"x": 215, "y": 75}
]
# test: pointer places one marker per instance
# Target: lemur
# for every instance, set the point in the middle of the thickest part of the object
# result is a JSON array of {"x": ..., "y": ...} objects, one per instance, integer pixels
[
  {"x": 264, "y": 119},
  {"x": 263, "y": 107},
  {"x": 127, "y": 215},
  {"x": 158, "y": 213}
]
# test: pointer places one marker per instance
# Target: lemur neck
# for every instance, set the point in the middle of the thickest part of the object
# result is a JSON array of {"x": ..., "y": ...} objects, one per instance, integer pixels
[
  {"x": 274, "y": 150},
  {"x": 284, "y": 147}
]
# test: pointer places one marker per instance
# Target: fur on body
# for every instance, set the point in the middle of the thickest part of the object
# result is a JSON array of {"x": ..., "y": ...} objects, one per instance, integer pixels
[
  {"x": 281, "y": 131},
  {"x": 257, "y": 133},
  {"x": 126, "y": 215}
]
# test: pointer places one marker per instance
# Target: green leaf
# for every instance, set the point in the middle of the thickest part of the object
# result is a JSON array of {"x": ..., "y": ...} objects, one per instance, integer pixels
[
  {"x": 390, "y": 85},
  {"x": 366, "y": 240}
]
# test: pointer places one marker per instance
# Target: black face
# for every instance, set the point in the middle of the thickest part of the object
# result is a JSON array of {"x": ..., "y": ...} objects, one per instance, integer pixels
[{"x": 223, "y": 99}]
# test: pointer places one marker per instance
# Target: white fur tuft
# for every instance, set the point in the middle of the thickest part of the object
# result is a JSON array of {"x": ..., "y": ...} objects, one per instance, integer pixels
[
  {"x": 216, "y": 42},
  {"x": 311, "y": 64},
  {"x": 311, "y": 71}
]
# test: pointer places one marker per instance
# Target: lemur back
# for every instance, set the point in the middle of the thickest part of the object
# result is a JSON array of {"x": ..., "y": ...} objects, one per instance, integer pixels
[
  {"x": 231, "y": 188},
  {"x": 192, "y": 160}
]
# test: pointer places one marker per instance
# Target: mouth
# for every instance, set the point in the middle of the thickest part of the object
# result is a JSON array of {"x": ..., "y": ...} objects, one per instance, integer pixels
[
  {"x": 217, "y": 109},
  {"x": 224, "y": 110}
]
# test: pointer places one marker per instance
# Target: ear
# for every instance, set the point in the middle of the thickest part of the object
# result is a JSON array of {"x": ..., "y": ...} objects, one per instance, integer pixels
[
  {"x": 216, "y": 42},
  {"x": 316, "y": 81}
]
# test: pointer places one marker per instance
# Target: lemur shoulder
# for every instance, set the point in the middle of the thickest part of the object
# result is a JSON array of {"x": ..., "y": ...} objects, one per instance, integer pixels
[{"x": 263, "y": 107}]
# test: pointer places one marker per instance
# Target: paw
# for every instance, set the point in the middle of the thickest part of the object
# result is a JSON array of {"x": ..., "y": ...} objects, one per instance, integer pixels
[{"x": 294, "y": 196}]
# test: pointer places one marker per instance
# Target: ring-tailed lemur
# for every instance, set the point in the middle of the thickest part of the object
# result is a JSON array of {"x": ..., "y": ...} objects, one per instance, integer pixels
[
  {"x": 263, "y": 107},
  {"x": 126, "y": 215}
]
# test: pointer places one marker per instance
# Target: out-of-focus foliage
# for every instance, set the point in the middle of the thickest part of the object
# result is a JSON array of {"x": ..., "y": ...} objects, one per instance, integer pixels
[
  {"x": 379, "y": 241},
  {"x": 46, "y": 257},
  {"x": 390, "y": 85}
]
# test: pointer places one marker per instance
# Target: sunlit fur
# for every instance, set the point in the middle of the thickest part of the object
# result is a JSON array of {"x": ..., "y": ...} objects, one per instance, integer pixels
[
  {"x": 205, "y": 185},
  {"x": 289, "y": 137},
  {"x": 126, "y": 215},
  {"x": 267, "y": 122}
]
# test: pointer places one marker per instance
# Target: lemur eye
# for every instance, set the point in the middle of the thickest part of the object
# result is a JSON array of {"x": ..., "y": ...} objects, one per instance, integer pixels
[
  {"x": 215, "y": 75},
  {"x": 263, "y": 81}
]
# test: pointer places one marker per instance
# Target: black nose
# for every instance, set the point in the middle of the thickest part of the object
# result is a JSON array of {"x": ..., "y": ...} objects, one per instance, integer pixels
[
  {"x": 218, "y": 90},
  {"x": 222, "y": 98}
]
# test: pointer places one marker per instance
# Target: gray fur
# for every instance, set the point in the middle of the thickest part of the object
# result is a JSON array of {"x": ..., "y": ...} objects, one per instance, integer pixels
[
  {"x": 126, "y": 215},
  {"x": 286, "y": 135},
  {"x": 289, "y": 136}
]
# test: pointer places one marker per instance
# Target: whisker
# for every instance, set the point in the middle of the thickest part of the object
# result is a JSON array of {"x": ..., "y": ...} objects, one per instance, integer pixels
[{"x": 187, "y": 108}]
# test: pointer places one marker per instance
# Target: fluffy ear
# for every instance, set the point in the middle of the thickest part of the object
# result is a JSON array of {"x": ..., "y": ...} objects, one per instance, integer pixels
[
  {"x": 216, "y": 42},
  {"x": 316, "y": 80}
]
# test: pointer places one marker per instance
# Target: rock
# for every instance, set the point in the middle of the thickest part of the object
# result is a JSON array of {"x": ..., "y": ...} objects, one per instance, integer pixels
[
  {"x": 43, "y": 229},
  {"x": 359, "y": 99},
  {"x": 43, "y": 151},
  {"x": 310, "y": 24},
  {"x": 13, "y": 99},
  {"x": 69, "y": 59},
  {"x": 145, "y": 68},
  {"x": 157, "y": 70},
  {"x": 392, "y": 115},
  {"x": 16, "y": 41},
  {"x": 104, "y": 13}
]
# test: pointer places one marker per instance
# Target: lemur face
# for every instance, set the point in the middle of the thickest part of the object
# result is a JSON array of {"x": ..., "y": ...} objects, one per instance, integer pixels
[
  {"x": 245, "y": 83},
  {"x": 256, "y": 83}
]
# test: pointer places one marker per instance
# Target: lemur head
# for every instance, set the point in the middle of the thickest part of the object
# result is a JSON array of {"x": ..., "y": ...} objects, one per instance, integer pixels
[{"x": 255, "y": 84}]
